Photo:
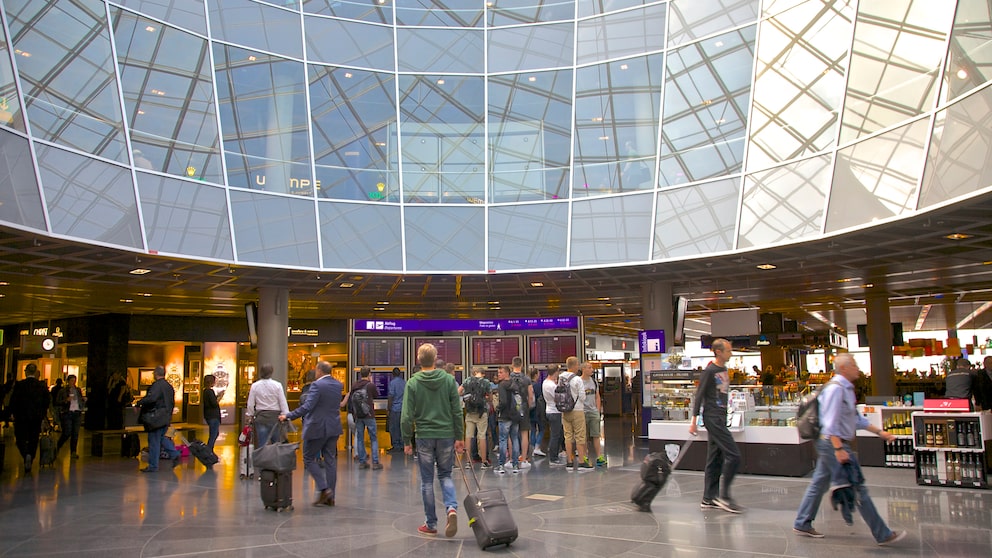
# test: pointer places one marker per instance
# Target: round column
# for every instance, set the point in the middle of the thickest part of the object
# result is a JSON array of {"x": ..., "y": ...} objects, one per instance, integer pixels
[{"x": 273, "y": 330}]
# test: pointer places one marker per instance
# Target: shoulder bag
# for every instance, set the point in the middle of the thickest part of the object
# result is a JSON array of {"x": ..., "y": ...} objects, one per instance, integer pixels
[{"x": 279, "y": 457}]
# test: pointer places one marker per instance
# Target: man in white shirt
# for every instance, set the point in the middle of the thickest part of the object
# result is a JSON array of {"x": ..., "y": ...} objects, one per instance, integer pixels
[{"x": 266, "y": 401}]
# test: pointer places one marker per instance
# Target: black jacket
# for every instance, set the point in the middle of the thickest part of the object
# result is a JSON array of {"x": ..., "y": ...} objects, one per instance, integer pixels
[
  {"x": 211, "y": 407},
  {"x": 160, "y": 394},
  {"x": 29, "y": 400}
]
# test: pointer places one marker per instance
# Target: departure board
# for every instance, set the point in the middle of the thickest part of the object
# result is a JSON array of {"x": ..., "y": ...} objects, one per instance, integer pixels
[
  {"x": 379, "y": 351},
  {"x": 551, "y": 349},
  {"x": 489, "y": 351},
  {"x": 449, "y": 349},
  {"x": 381, "y": 381}
]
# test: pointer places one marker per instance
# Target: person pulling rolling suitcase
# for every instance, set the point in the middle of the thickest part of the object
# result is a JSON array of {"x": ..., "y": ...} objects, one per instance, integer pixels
[
  {"x": 488, "y": 513},
  {"x": 655, "y": 470}
]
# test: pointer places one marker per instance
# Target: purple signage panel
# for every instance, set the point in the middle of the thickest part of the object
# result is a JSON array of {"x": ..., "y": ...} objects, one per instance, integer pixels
[
  {"x": 651, "y": 341},
  {"x": 511, "y": 324}
]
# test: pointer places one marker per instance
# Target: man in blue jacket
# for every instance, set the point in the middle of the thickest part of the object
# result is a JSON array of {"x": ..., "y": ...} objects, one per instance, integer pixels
[{"x": 321, "y": 414}]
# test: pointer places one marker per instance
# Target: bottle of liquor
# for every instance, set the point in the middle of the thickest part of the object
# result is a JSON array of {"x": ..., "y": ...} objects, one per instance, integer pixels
[
  {"x": 962, "y": 437},
  {"x": 938, "y": 435},
  {"x": 929, "y": 434},
  {"x": 970, "y": 436}
]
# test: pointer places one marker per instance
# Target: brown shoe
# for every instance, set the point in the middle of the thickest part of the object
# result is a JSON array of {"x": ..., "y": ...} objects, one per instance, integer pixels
[{"x": 328, "y": 497}]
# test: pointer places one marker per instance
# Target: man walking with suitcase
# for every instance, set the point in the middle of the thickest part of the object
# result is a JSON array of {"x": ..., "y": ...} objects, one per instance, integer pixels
[{"x": 431, "y": 401}]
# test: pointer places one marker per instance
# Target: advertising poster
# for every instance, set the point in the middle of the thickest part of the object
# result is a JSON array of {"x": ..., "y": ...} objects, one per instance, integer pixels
[{"x": 220, "y": 359}]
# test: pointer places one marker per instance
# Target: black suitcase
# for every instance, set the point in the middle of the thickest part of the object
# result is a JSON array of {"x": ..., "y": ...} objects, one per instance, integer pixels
[
  {"x": 202, "y": 453},
  {"x": 277, "y": 490},
  {"x": 488, "y": 514},
  {"x": 46, "y": 450},
  {"x": 130, "y": 444},
  {"x": 655, "y": 470}
]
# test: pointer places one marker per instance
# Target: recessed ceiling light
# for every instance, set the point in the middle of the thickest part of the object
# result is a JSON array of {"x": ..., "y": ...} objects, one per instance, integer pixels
[
  {"x": 126, "y": 300},
  {"x": 765, "y": 266},
  {"x": 603, "y": 298},
  {"x": 536, "y": 284},
  {"x": 382, "y": 302},
  {"x": 3, "y": 283},
  {"x": 139, "y": 271},
  {"x": 957, "y": 236},
  {"x": 721, "y": 291},
  {"x": 495, "y": 302},
  {"x": 346, "y": 285},
  {"x": 868, "y": 285},
  {"x": 378, "y": 309}
]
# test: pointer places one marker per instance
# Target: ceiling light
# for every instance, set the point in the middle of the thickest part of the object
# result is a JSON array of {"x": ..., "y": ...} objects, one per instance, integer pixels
[
  {"x": 845, "y": 280},
  {"x": 440, "y": 82},
  {"x": 378, "y": 308},
  {"x": 962, "y": 74},
  {"x": 536, "y": 284},
  {"x": 765, "y": 266},
  {"x": 139, "y": 271},
  {"x": 346, "y": 285},
  {"x": 604, "y": 138},
  {"x": 493, "y": 302},
  {"x": 623, "y": 66},
  {"x": 126, "y": 300},
  {"x": 721, "y": 291},
  {"x": 532, "y": 78},
  {"x": 252, "y": 58},
  {"x": 145, "y": 294},
  {"x": 3, "y": 283},
  {"x": 957, "y": 236},
  {"x": 383, "y": 302},
  {"x": 347, "y": 74},
  {"x": 150, "y": 29},
  {"x": 603, "y": 298},
  {"x": 869, "y": 285}
]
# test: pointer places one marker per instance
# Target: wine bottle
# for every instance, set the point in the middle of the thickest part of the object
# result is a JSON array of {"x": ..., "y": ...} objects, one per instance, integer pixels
[
  {"x": 959, "y": 427},
  {"x": 970, "y": 436},
  {"x": 929, "y": 435}
]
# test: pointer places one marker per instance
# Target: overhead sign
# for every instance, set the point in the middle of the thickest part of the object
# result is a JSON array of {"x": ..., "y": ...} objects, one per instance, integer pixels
[
  {"x": 651, "y": 340},
  {"x": 623, "y": 345},
  {"x": 38, "y": 344},
  {"x": 511, "y": 324}
]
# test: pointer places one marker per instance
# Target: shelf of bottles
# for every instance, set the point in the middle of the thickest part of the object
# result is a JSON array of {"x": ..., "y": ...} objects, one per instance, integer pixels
[
  {"x": 899, "y": 452},
  {"x": 951, "y": 449}
]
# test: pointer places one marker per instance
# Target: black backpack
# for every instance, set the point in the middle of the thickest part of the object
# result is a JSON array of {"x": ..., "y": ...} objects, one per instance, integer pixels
[
  {"x": 515, "y": 405},
  {"x": 564, "y": 400},
  {"x": 475, "y": 395},
  {"x": 808, "y": 415},
  {"x": 360, "y": 404}
]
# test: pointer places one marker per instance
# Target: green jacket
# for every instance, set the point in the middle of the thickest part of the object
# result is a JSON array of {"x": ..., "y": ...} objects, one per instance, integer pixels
[{"x": 431, "y": 404}]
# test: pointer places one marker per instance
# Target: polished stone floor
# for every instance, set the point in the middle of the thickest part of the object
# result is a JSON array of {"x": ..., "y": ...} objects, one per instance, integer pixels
[{"x": 104, "y": 507}]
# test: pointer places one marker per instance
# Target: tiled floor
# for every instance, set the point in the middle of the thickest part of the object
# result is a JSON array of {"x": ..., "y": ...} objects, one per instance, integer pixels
[{"x": 103, "y": 507}]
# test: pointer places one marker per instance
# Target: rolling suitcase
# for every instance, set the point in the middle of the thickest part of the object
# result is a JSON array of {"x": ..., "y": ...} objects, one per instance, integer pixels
[
  {"x": 46, "y": 450},
  {"x": 655, "y": 470},
  {"x": 488, "y": 514},
  {"x": 244, "y": 462},
  {"x": 277, "y": 490},
  {"x": 130, "y": 444},
  {"x": 202, "y": 453}
]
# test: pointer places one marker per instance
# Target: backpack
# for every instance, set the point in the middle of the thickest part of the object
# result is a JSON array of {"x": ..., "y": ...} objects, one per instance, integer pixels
[
  {"x": 360, "y": 404},
  {"x": 475, "y": 395},
  {"x": 808, "y": 415},
  {"x": 564, "y": 400},
  {"x": 515, "y": 404}
]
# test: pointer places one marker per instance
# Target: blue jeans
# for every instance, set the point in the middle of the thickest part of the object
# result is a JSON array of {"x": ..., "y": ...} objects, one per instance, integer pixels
[
  {"x": 441, "y": 452},
  {"x": 70, "y": 429},
  {"x": 509, "y": 430},
  {"x": 826, "y": 464},
  {"x": 536, "y": 427},
  {"x": 395, "y": 438},
  {"x": 361, "y": 425},
  {"x": 213, "y": 429},
  {"x": 158, "y": 442},
  {"x": 557, "y": 437}
]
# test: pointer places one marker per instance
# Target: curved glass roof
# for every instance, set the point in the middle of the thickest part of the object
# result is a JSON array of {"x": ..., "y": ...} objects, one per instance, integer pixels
[{"x": 474, "y": 136}]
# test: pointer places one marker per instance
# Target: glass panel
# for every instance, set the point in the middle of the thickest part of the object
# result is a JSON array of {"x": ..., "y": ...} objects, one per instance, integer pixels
[
  {"x": 530, "y": 47},
  {"x": 621, "y": 34},
  {"x": 616, "y": 125},
  {"x": 188, "y": 14},
  {"x": 960, "y": 149},
  {"x": 529, "y": 135},
  {"x": 616, "y": 229},
  {"x": 800, "y": 82},
  {"x": 168, "y": 95},
  {"x": 707, "y": 92},
  {"x": 20, "y": 200},
  {"x": 361, "y": 236},
  {"x": 89, "y": 199},
  {"x": 439, "y": 13},
  {"x": 257, "y": 26},
  {"x": 876, "y": 179},
  {"x": 264, "y": 121},
  {"x": 784, "y": 203},
  {"x": 64, "y": 61},
  {"x": 440, "y": 50},
  {"x": 184, "y": 217},
  {"x": 377, "y": 12},
  {"x": 443, "y": 138},
  {"x": 689, "y": 20},
  {"x": 508, "y": 12},
  {"x": 10, "y": 106},
  {"x": 969, "y": 63},
  {"x": 445, "y": 238},
  {"x": 528, "y": 236},
  {"x": 349, "y": 42},
  {"x": 895, "y": 64},
  {"x": 696, "y": 219},
  {"x": 274, "y": 229},
  {"x": 594, "y": 7}
]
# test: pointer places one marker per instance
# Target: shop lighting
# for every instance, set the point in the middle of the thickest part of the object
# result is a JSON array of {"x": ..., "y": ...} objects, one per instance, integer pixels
[
  {"x": 346, "y": 285},
  {"x": 139, "y": 271},
  {"x": 536, "y": 284},
  {"x": 765, "y": 266}
]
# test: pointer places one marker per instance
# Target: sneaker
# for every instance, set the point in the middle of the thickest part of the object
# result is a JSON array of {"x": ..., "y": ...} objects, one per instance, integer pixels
[
  {"x": 451, "y": 529},
  {"x": 499, "y": 470},
  {"x": 376, "y": 466},
  {"x": 524, "y": 464},
  {"x": 808, "y": 532},
  {"x": 516, "y": 469},
  {"x": 895, "y": 537},
  {"x": 707, "y": 504},
  {"x": 601, "y": 461},
  {"x": 486, "y": 464},
  {"x": 363, "y": 465},
  {"x": 425, "y": 530},
  {"x": 584, "y": 466},
  {"x": 728, "y": 505},
  {"x": 570, "y": 464},
  {"x": 556, "y": 463},
  {"x": 539, "y": 452}
]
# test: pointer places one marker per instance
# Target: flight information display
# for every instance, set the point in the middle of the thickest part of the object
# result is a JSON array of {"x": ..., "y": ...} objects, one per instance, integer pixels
[
  {"x": 489, "y": 351},
  {"x": 379, "y": 351},
  {"x": 449, "y": 349},
  {"x": 551, "y": 349}
]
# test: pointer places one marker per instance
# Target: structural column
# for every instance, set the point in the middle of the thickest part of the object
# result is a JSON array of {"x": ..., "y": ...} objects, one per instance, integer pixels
[
  {"x": 273, "y": 330},
  {"x": 880, "y": 344},
  {"x": 656, "y": 304}
]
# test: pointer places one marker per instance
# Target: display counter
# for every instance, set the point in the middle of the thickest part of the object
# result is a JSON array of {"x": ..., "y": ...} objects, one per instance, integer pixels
[{"x": 875, "y": 452}]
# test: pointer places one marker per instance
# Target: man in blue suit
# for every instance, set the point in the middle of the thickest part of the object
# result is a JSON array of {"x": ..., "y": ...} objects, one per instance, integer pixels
[{"x": 321, "y": 414}]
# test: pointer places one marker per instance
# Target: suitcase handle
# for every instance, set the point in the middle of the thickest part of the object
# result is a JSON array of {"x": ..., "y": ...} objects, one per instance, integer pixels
[{"x": 478, "y": 486}]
